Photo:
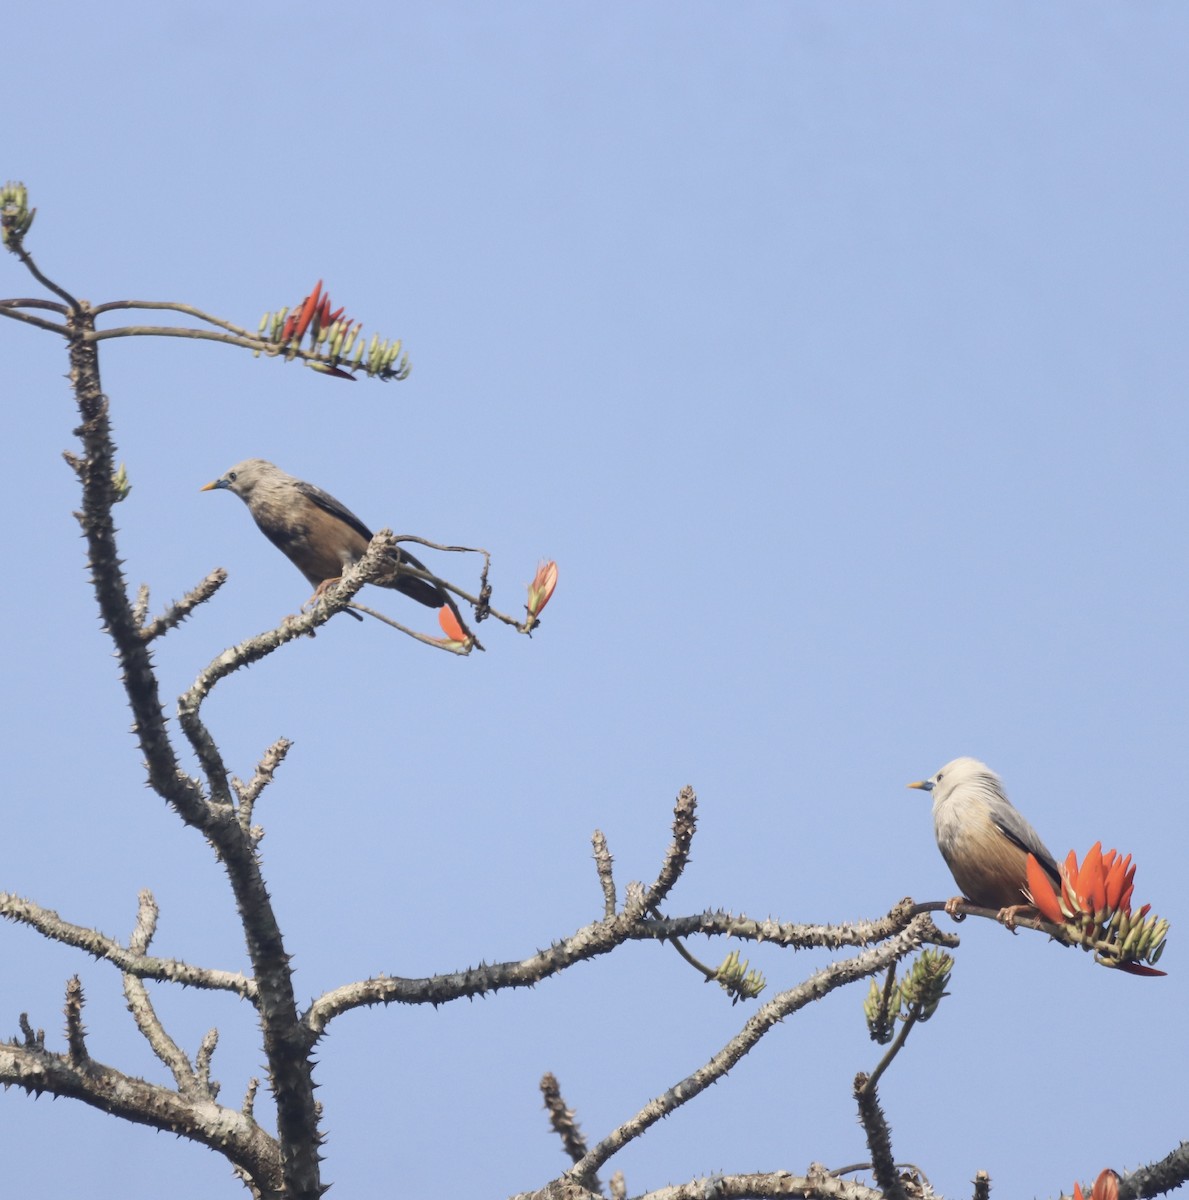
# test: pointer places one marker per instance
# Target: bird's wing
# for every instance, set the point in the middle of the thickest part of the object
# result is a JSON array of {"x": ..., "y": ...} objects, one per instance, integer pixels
[
  {"x": 326, "y": 502},
  {"x": 1013, "y": 827}
]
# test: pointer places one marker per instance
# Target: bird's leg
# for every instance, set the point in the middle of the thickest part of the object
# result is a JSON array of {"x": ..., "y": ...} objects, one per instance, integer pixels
[
  {"x": 319, "y": 592},
  {"x": 951, "y": 907}
]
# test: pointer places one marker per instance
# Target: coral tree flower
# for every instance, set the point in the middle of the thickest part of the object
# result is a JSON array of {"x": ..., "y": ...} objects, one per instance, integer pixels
[
  {"x": 1094, "y": 910},
  {"x": 450, "y": 627},
  {"x": 1106, "y": 1187},
  {"x": 541, "y": 587}
]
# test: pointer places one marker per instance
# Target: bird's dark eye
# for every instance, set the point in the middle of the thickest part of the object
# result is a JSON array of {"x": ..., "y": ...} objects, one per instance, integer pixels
[
  {"x": 231, "y": 476},
  {"x": 940, "y": 774}
]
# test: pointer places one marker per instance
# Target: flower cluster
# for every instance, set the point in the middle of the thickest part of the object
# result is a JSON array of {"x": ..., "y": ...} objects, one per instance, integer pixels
[
  {"x": 15, "y": 214},
  {"x": 334, "y": 338},
  {"x": 1094, "y": 910},
  {"x": 917, "y": 995},
  {"x": 737, "y": 980}
]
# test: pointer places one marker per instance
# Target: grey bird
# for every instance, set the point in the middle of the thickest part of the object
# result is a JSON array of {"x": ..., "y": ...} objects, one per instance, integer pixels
[
  {"x": 982, "y": 836},
  {"x": 319, "y": 535}
]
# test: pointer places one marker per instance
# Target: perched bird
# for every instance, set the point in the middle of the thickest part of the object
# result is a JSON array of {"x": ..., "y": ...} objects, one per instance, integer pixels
[
  {"x": 983, "y": 838},
  {"x": 313, "y": 530}
]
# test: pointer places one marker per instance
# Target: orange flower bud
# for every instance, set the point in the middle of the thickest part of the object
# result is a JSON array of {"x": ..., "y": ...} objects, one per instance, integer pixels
[{"x": 542, "y": 587}]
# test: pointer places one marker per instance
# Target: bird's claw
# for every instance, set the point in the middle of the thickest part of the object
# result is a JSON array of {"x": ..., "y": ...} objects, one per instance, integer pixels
[
  {"x": 1011, "y": 914},
  {"x": 951, "y": 907}
]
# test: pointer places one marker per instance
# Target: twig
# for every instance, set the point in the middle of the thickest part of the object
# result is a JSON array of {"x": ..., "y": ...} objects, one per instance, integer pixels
[
  {"x": 162, "y": 1045},
  {"x": 75, "y": 1035},
  {"x": 98, "y": 945},
  {"x": 909, "y": 1021},
  {"x": 249, "y": 793},
  {"x": 29, "y": 319},
  {"x": 879, "y": 1139},
  {"x": 603, "y": 865},
  {"x": 44, "y": 280},
  {"x": 178, "y": 610},
  {"x": 561, "y": 1120}
]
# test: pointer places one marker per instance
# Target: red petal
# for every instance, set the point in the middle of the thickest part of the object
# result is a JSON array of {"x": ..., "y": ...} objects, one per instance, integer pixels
[
  {"x": 450, "y": 626},
  {"x": 307, "y": 310},
  {"x": 1091, "y": 881},
  {"x": 1041, "y": 891},
  {"x": 1077, "y": 1192},
  {"x": 1071, "y": 868},
  {"x": 1138, "y": 969},
  {"x": 1106, "y": 1186}
]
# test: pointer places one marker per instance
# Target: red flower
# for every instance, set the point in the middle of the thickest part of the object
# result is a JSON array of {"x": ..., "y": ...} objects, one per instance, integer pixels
[
  {"x": 450, "y": 626},
  {"x": 1106, "y": 1187},
  {"x": 1093, "y": 910}
]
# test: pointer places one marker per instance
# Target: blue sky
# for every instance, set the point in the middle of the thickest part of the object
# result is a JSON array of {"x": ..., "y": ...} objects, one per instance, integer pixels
[{"x": 835, "y": 351}]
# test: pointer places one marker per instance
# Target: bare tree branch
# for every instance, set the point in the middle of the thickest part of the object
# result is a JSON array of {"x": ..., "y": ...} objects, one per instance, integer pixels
[
  {"x": 286, "y": 1045},
  {"x": 100, "y": 946},
  {"x": 179, "y": 610},
  {"x": 562, "y": 1122},
  {"x": 232, "y": 1134},
  {"x": 1157, "y": 1178},
  {"x": 819, "y": 984},
  {"x": 879, "y": 1139},
  {"x": 819, "y": 1184}
]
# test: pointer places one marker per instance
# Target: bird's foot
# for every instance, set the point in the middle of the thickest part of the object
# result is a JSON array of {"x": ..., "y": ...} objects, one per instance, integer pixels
[
  {"x": 1011, "y": 914},
  {"x": 319, "y": 592},
  {"x": 951, "y": 907}
]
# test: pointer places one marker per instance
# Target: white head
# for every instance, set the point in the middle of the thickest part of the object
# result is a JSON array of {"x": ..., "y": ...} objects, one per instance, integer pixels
[{"x": 965, "y": 773}]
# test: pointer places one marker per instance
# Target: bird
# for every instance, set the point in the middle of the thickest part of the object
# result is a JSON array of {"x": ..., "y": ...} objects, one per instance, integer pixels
[
  {"x": 983, "y": 838},
  {"x": 319, "y": 535}
]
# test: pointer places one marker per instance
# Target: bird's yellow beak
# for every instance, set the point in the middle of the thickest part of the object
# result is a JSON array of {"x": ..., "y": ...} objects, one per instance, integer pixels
[
  {"x": 210, "y": 487},
  {"x": 923, "y": 784}
]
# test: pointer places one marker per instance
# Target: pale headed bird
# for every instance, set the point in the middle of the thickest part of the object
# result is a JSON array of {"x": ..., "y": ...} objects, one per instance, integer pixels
[{"x": 983, "y": 838}]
